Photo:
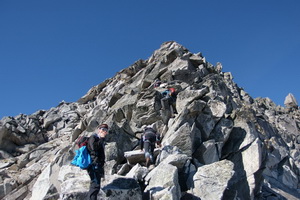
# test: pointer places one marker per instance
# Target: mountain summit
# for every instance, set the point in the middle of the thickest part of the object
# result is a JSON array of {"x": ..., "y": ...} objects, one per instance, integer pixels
[{"x": 217, "y": 141}]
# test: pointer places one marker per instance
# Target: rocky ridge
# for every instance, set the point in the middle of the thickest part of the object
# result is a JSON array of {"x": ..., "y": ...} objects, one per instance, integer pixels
[{"x": 221, "y": 143}]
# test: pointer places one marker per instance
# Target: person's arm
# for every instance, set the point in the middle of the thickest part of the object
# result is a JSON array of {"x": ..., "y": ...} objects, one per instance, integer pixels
[
  {"x": 158, "y": 142},
  {"x": 93, "y": 149},
  {"x": 142, "y": 143},
  {"x": 101, "y": 152}
]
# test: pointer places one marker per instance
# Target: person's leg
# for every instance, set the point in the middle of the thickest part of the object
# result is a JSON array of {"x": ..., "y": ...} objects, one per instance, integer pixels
[
  {"x": 165, "y": 103},
  {"x": 152, "y": 153},
  {"x": 147, "y": 162},
  {"x": 173, "y": 105},
  {"x": 147, "y": 153},
  {"x": 94, "y": 184},
  {"x": 94, "y": 190}
]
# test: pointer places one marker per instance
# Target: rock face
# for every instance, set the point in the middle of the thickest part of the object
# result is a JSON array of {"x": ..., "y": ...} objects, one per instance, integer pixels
[
  {"x": 290, "y": 101},
  {"x": 219, "y": 144}
]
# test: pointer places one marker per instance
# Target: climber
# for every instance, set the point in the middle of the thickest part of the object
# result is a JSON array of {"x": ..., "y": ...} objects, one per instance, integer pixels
[
  {"x": 157, "y": 83},
  {"x": 148, "y": 141},
  {"x": 168, "y": 100},
  {"x": 95, "y": 148}
]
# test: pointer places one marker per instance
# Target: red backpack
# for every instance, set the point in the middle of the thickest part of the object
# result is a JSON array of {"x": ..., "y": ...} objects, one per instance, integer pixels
[
  {"x": 172, "y": 90},
  {"x": 82, "y": 141}
]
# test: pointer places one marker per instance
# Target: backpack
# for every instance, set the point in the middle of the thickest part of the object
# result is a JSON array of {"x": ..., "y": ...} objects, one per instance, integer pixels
[
  {"x": 172, "y": 90},
  {"x": 82, "y": 157},
  {"x": 82, "y": 141},
  {"x": 150, "y": 136},
  {"x": 166, "y": 93}
]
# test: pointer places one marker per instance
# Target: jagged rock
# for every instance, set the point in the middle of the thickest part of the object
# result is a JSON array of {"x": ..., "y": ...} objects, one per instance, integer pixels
[
  {"x": 182, "y": 138},
  {"x": 159, "y": 186},
  {"x": 19, "y": 193},
  {"x": 243, "y": 133},
  {"x": 124, "y": 169},
  {"x": 177, "y": 160},
  {"x": 137, "y": 172},
  {"x": 207, "y": 153},
  {"x": 7, "y": 186},
  {"x": 7, "y": 162},
  {"x": 189, "y": 172},
  {"x": 122, "y": 188},
  {"x": 42, "y": 185},
  {"x": 4, "y": 155},
  {"x": 78, "y": 130},
  {"x": 253, "y": 158},
  {"x": 74, "y": 182},
  {"x": 137, "y": 156},
  {"x": 213, "y": 181},
  {"x": 50, "y": 118},
  {"x": 166, "y": 151},
  {"x": 91, "y": 94},
  {"x": 290, "y": 101},
  {"x": 26, "y": 148},
  {"x": 221, "y": 132},
  {"x": 186, "y": 97},
  {"x": 207, "y": 125},
  {"x": 217, "y": 108},
  {"x": 288, "y": 177}
]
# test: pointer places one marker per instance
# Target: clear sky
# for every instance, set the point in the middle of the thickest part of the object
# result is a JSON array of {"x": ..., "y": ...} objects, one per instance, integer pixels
[{"x": 55, "y": 50}]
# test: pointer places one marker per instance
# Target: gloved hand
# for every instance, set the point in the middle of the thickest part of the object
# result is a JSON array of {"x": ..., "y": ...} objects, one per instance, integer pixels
[{"x": 96, "y": 167}]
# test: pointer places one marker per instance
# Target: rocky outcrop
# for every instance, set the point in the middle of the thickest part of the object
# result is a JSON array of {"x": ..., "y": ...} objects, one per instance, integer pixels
[
  {"x": 220, "y": 144},
  {"x": 291, "y": 102}
]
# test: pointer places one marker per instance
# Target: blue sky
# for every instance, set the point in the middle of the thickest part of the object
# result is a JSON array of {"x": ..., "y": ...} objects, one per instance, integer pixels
[{"x": 57, "y": 50}]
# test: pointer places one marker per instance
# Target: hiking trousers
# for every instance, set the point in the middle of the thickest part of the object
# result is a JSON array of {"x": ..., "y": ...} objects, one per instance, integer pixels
[
  {"x": 149, "y": 149},
  {"x": 95, "y": 176}
]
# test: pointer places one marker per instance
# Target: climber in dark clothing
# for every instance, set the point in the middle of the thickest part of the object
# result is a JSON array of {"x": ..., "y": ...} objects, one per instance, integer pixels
[
  {"x": 149, "y": 138},
  {"x": 157, "y": 83},
  {"x": 168, "y": 100},
  {"x": 95, "y": 148}
]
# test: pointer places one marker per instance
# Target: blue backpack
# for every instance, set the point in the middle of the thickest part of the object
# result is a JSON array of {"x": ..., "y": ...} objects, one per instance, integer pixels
[{"x": 82, "y": 158}]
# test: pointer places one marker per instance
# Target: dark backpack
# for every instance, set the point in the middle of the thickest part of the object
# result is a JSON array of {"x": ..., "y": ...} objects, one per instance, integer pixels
[
  {"x": 82, "y": 141},
  {"x": 150, "y": 135}
]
